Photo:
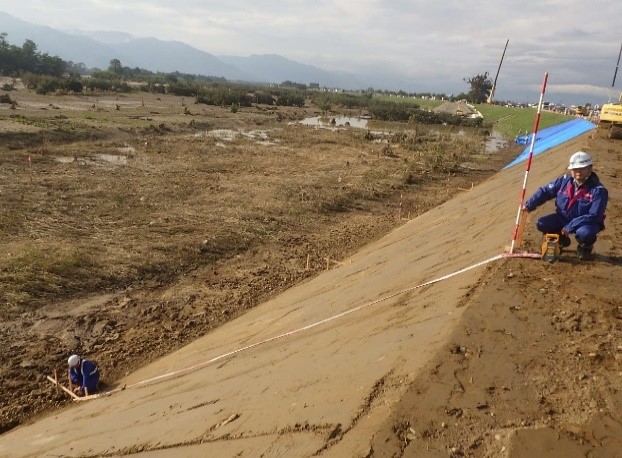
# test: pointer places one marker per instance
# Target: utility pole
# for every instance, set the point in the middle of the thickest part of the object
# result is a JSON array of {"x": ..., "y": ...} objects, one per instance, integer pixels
[
  {"x": 617, "y": 65},
  {"x": 494, "y": 84}
]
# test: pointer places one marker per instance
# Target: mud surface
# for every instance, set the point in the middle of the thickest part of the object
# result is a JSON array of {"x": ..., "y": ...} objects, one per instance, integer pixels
[
  {"x": 519, "y": 358},
  {"x": 132, "y": 225}
]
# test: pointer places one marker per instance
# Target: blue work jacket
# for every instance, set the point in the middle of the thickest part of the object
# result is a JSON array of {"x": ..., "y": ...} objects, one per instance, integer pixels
[
  {"x": 86, "y": 375},
  {"x": 584, "y": 205}
]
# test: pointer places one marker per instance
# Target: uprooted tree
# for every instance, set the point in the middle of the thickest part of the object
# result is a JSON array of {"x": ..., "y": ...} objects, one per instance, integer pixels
[{"x": 481, "y": 86}]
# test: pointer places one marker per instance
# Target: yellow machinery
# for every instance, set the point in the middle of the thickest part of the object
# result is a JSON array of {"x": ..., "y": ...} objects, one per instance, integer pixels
[
  {"x": 611, "y": 118},
  {"x": 612, "y": 112}
]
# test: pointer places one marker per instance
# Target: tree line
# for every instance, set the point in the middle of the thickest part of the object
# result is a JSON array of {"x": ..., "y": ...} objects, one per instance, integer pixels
[
  {"x": 15, "y": 60},
  {"x": 50, "y": 74}
]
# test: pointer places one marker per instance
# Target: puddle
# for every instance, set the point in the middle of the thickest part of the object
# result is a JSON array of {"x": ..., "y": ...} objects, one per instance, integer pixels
[
  {"x": 93, "y": 160},
  {"x": 255, "y": 134},
  {"x": 223, "y": 134},
  {"x": 64, "y": 159},
  {"x": 495, "y": 142},
  {"x": 229, "y": 135},
  {"x": 111, "y": 159},
  {"x": 335, "y": 121}
]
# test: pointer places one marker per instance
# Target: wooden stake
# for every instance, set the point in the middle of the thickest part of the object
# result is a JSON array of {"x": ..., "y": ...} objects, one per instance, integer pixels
[
  {"x": 69, "y": 392},
  {"x": 56, "y": 380},
  {"x": 521, "y": 229},
  {"x": 73, "y": 395}
]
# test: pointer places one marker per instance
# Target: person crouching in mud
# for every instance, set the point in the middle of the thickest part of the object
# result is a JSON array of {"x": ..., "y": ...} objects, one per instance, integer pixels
[
  {"x": 83, "y": 375},
  {"x": 580, "y": 203}
]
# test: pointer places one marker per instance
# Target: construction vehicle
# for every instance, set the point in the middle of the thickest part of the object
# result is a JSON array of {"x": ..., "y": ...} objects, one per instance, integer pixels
[
  {"x": 581, "y": 110},
  {"x": 611, "y": 119},
  {"x": 611, "y": 113}
]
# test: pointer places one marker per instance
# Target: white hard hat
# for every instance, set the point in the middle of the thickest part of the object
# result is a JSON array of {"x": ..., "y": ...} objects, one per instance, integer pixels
[
  {"x": 579, "y": 160},
  {"x": 73, "y": 360}
]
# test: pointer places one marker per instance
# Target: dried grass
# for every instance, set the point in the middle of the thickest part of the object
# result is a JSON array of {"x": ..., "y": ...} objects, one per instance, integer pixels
[{"x": 75, "y": 223}]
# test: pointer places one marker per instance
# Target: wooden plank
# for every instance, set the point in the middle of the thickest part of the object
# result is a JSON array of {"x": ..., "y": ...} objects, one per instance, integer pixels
[
  {"x": 56, "y": 380},
  {"x": 66, "y": 390},
  {"x": 73, "y": 395}
]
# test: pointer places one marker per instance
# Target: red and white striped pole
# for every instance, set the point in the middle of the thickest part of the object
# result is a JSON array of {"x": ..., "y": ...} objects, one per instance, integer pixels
[{"x": 520, "y": 214}]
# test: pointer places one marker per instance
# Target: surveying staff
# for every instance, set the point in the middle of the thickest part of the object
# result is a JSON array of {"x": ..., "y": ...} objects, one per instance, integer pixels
[
  {"x": 83, "y": 373},
  {"x": 580, "y": 203}
]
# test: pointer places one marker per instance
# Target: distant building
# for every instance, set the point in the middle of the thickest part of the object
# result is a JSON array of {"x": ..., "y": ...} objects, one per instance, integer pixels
[{"x": 314, "y": 85}]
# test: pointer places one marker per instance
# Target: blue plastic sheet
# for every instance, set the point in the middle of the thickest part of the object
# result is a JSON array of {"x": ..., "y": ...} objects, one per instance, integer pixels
[{"x": 553, "y": 136}]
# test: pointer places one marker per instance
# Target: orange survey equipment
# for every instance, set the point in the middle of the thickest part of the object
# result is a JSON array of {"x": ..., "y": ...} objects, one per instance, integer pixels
[{"x": 550, "y": 247}]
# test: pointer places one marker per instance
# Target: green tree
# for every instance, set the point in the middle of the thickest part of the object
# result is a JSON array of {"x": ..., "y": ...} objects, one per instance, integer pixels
[
  {"x": 8, "y": 57},
  {"x": 76, "y": 69},
  {"x": 29, "y": 56},
  {"x": 115, "y": 67},
  {"x": 481, "y": 86},
  {"x": 52, "y": 65},
  {"x": 74, "y": 85},
  {"x": 15, "y": 60}
]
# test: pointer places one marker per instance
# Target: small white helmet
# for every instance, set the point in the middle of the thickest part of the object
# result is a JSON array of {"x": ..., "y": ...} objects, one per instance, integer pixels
[
  {"x": 73, "y": 360},
  {"x": 579, "y": 160}
]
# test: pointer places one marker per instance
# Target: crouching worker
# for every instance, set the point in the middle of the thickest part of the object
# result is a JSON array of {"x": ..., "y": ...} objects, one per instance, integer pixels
[
  {"x": 83, "y": 375},
  {"x": 580, "y": 203}
]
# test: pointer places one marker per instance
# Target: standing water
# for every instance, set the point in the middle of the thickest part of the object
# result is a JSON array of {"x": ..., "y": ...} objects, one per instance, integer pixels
[
  {"x": 495, "y": 142},
  {"x": 335, "y": 121}
]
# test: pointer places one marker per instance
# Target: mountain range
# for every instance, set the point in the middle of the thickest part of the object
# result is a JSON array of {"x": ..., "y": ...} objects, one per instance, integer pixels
[{"x": 97, "y": 49}]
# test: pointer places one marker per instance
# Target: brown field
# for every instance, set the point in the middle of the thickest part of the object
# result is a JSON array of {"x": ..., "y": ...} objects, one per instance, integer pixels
[
  {"x": 134, "y": 224},
  {"x": 155, "y": 235}
]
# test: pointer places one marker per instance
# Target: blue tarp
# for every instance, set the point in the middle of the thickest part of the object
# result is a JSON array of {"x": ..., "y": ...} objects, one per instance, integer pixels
[{"x": 553, "y": 136}]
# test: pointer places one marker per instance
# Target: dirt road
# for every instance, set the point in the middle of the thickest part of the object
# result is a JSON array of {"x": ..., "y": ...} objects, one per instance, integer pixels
[{"x": 512, "y": 357}]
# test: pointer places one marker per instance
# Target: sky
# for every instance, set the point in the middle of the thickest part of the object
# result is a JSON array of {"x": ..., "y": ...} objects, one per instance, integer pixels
[{"x": 429, "y": 45}]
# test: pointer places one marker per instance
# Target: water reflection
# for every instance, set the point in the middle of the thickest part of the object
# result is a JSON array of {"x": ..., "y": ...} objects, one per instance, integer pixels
[
  {"x": 95, "y": 159},
  {"x": 495, "y": 142},
  {"x": 335, "y": 121}
]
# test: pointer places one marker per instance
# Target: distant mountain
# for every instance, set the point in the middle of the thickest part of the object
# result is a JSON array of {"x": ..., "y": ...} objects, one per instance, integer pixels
[
  {"x": 273, "y": 68},
  {"x": 148, "y": 53},
  {"x": 171, "y": 56},
  {"x": 97, "y": 49},
  {"x": 68, "y": 47},
  {"x": 103, "y": 36}
]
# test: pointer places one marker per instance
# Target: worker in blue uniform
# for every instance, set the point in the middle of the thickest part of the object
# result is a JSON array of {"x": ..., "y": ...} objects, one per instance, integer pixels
[
  {"x": 84, "y": 375},
  {"x": 580, "y": 203}
]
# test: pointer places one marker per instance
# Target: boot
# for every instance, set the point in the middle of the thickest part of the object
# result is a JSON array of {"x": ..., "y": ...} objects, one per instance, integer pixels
[
  {"x": 584, "y": 252},
  {"x": 564, "y": 242}
]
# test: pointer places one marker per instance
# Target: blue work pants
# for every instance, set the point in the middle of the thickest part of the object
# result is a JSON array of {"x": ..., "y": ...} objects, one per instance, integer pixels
[{"x": 553, "y": 224}]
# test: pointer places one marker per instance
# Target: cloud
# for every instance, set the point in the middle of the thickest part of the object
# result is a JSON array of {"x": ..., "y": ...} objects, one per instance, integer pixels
[{"x": 426, "y": 44}]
